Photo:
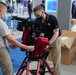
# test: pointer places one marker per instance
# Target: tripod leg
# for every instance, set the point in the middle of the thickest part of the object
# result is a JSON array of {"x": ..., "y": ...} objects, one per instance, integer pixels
[
  {"x": 27, "y": 68},
  {"x": 49, "y": 68},
  {"x": 20, "y": 70},
  {"x": 38, "y": 68},
  {"x": 42, "y": 67}
]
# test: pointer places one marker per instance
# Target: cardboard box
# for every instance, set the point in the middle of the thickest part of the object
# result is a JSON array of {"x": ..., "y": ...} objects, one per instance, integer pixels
[
  {"x": 67, "y": 56},
  {"x": 75, "y": 57},
  {"x": 69, "y": 34},
  {"x": 73, "y": 21},
  {"x": 68, "y": 50}
]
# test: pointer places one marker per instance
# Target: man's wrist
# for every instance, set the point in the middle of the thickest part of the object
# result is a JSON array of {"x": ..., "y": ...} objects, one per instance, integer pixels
[{"x": 49, "y": 44}]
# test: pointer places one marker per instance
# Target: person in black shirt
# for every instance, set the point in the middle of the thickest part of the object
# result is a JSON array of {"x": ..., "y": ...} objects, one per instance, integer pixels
[
  {"x": 43, "y": 4},
  {"x": 50, "y": 29},
  {"x": 74, "y": 9},
  {"x": 29, "y": 6}
]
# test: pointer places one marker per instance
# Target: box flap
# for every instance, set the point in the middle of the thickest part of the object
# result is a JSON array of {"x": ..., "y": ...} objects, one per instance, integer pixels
[
  {"x": 68, "y": 33},
  {"x": 67, "y": 41},
  {"x": 74, "y": 43}
]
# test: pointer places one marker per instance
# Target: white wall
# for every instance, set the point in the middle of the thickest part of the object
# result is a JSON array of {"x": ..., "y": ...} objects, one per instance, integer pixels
[
  {"x": 37, "y": 2},
  {"x": 63, "y": 12},
  {"x": 3, "y": 1}
]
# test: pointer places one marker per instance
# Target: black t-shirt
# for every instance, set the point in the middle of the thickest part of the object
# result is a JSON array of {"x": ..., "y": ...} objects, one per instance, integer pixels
[
  {"x": 29, "y": 7},
  {"x": 48, "y": 25}
]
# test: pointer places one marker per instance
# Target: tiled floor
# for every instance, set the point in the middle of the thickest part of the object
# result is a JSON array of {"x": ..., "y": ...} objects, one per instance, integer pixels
[{"x": 65, "y": 69}]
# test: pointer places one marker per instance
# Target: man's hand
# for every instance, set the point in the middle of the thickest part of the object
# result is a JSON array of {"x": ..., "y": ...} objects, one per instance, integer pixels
[
  {"x": 12, "y": 46},
  {"x": 47, "y": 47},
  {"x": 30, "y": 48}
]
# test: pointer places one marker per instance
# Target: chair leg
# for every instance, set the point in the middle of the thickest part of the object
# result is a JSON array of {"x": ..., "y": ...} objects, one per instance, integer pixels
[
  {"x": 38, "y": 68},
  {"x": 49, "y": 68}
]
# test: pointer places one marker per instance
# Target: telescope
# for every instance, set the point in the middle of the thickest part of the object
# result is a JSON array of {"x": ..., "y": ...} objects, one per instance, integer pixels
[
  {"x": 33, "y": 35},
  {"x": 35, "y": 26}
]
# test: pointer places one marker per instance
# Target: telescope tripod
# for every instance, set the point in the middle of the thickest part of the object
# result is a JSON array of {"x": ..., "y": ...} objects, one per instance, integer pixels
[{"x": 25, "y": 66}]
